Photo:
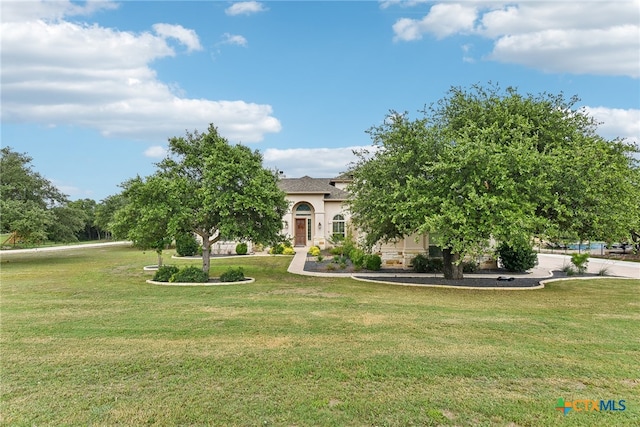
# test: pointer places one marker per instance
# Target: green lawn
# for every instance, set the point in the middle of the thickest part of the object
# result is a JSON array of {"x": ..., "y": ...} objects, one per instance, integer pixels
[{"x": 85, "y": 341}]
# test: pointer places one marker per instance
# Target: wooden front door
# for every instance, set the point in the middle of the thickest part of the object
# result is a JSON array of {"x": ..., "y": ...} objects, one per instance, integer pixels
[{"x": 301, "y": 232}]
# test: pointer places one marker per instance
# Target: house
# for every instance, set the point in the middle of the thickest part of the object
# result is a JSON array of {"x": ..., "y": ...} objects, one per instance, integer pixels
[{"x": 317, "y": 211}]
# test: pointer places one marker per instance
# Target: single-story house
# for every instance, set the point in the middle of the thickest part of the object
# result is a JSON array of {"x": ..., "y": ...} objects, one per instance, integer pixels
[{"x": 318, "y": 210}]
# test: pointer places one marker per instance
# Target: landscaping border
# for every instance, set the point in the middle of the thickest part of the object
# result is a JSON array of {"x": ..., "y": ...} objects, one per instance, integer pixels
[{"x": 247, "y": 281}]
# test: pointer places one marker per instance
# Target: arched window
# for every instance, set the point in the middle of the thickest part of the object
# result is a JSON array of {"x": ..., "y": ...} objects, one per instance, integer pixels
[
  {"x": 339, "y": 225},
  {"x": 303, "y": 209}
]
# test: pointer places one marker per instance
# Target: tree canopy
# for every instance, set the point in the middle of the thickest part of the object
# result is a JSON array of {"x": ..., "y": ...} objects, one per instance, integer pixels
[
  {"x": 214, "y": 189},
  {"x": 485, "y": 163},
  {"x": 27, "y": 198}
]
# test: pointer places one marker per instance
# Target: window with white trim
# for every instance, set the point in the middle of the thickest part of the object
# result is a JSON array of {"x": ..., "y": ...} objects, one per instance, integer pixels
[{"x": 338, "y": 225}]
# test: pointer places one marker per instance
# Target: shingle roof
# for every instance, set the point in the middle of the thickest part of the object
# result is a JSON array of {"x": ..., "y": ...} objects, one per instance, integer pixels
[{"x": 306, "y": 184}]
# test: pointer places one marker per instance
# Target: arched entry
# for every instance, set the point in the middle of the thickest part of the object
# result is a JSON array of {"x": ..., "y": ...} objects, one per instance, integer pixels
[{"x": 303, "y": 216}]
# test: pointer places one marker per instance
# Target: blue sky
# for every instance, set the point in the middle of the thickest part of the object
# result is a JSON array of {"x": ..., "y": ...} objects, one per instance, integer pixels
[{"x": 93, "y": 90}]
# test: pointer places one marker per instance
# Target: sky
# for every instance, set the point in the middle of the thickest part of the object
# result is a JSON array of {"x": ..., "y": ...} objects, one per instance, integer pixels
[{"x": 92, "y": 91}]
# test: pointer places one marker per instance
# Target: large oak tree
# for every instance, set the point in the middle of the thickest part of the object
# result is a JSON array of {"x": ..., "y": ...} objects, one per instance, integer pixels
[
  {"x": 216, "y": 190},
  {"x": 485, "y": 163}
]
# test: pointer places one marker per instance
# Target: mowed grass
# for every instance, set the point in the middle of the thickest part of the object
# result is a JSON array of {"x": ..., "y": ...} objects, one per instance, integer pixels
[{"x": 85, "y": 341}]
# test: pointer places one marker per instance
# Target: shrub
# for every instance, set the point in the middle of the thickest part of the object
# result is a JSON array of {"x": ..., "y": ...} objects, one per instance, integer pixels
[
  {"x": 469, "y": 267},
  {"x": 190, "y": 274},
  {"x": 357, "y": 257},
  {"x": 277, "y": 249},
  {"x": 241, "y": 248},
  {"x": 337, "y": 251},
  {"x": 580, "y": 261},
  {"x": 520, "y": 257},
  {"x": 187, "y": 245},
  {"x": 314, "y": 251},
  {"x": 164, "y": 273},
  {"x": 372, "y": 262},
  {"x": 420, "y": 263},
  {"x": 232, "y": 275},
  {"x": 288, "y": 251}
]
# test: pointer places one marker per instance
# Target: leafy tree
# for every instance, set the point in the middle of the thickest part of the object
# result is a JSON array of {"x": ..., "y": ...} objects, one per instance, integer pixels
[
  {"x": 219, "y": 189},
  {"x": 105, "y": 212},
  {"x": 205, "y": 186},
  {"x": 487, "y": 163},
  {"x": 144, "y": 218},
  {"x": 90, "y": 230},
  {"x": 26, "y": 198},
  {"x": 69, "y": 220}
]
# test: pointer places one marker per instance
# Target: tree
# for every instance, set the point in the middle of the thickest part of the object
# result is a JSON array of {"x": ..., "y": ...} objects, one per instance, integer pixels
[
  {"x": 90, "y": 230},
  {"x": 487, "y": 163},
  {"x": 105, "y": 211},
  {"x": 26, "y": 197},
  {"x": 145, "y": 216},
  {"x": 68, "y": 221},
  {"x": 221, "y": 189}
]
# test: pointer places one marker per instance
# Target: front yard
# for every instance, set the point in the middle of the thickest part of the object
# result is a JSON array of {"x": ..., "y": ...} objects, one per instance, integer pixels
[{"x": 86, "y": 341}]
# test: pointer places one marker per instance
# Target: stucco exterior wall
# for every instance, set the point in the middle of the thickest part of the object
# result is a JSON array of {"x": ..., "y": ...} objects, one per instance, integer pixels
[{"x": 321, "y": 217}]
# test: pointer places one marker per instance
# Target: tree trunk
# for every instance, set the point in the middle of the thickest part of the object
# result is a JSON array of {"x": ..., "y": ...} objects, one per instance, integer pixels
[
  {"x": 159, "y": 258},
  {"x": 206, "y": 252},
  {"x": 451, "y": 268}
]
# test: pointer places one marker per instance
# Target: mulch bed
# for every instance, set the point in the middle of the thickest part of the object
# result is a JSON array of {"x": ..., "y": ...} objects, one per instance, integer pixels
[
  {"x": 469, "y": 280},
  {"x": 476, "y": 282}
]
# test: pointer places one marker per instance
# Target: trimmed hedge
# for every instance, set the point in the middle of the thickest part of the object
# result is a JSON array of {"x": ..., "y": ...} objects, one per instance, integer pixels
[
  {"x": 190, "y": 274},
  {"x": 372, "y": 262},
  {"x": 165, "y": 273},
  {"x": 187, "y": 245},
  {"x": 518, "y": 257},
  {"x": 241, "y": 248},
  {"x": 233, "y": 275}
]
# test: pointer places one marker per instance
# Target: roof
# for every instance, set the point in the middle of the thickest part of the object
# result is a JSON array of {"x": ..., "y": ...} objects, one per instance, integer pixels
[{"x": 308, "y": 185}]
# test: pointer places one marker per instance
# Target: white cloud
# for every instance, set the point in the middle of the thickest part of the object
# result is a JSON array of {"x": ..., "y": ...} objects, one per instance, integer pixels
[
  {"x": 443, "y": 20},
  {"x": 155, "y": 152},
  {"x": 185, "y": 36},
  {"x": 402, "y": 3},
  {"x": 315, "y": 162},
  {"x": 575, "y": 37},
  {"x": 16, "y": 11},
  {"x": 245, "y": 8},
  {"x": 234, "y": 39},
  {"x": 64, "y": 73},
  {"x": 617, "y": 123}
]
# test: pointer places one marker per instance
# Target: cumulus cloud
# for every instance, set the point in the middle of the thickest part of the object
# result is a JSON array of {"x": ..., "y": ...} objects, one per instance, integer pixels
[
  {"x": 16, "y": 11},
  {"x": 187, "y": 37},
  {"x": 617, "y": 123},
  {"x": 443, "y": 20},
  {"x": 245, "y": 8},
  {"x": 315, "y": 162},
  {"x": 155, "y": 152},
  {"x": 575, "y": 37},
  {"x": 66, "y": 73}
]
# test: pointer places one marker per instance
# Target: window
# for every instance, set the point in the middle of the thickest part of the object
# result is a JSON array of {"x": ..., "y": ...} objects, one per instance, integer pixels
[
  {"x": 303, "y": 209},
  {"x": 338, "y": 225}
]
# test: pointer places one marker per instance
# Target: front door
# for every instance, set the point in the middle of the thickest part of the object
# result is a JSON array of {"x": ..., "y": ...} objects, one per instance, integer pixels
[{"x": 301, "y": 232}]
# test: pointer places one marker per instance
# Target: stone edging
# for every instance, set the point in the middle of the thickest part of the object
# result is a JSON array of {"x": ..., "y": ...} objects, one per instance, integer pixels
[
  {"x": 244, "y": 282},
  {"x": 539, "y": 286}
]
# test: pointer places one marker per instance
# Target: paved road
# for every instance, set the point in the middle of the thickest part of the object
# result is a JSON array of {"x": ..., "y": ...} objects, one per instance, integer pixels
[
  {"x": 595, "y": 265},
  {"x": 63, "y": 248}
]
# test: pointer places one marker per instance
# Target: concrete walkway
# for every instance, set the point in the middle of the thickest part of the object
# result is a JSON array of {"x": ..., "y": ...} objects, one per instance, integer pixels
[{"x": 546, "y": 264}]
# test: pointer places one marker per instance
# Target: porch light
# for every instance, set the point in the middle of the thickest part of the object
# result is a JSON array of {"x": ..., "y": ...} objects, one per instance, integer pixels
[
  {"x": 286, "y": 225},
  {"x": 319, "y": 226}
]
